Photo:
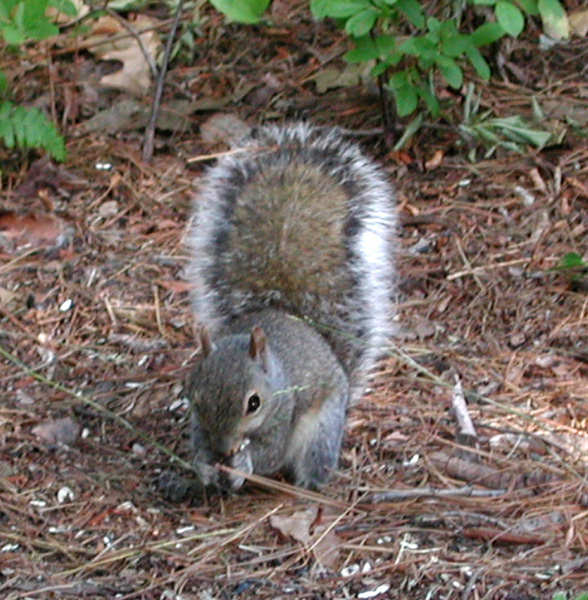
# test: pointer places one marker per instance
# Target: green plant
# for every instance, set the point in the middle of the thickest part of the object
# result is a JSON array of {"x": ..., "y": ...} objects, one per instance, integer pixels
[
  {"x": 512, "y": 132},
  {"x": 29, "y": 128},
  {"x": 243, "y": 11},
  {"x": 576, "y": 268},
  {"x": 434, "y": 46},
  {"x": 564, "y": 596},
  {"x": 511, "y": 15},
  {"x": 22, "y": 21},
  {"x": 407, "y": 65}
]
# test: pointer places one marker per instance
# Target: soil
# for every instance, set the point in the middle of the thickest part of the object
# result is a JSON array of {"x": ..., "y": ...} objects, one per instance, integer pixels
[{"x": 463, "y": 472}]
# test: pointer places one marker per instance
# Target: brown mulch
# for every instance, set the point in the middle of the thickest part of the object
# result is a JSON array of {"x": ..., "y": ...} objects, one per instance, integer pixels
[{"x": 96, "y": 338}]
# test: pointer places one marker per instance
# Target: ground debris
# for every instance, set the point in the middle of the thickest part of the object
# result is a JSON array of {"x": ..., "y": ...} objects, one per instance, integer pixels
[{"x": 95, "y": 324}]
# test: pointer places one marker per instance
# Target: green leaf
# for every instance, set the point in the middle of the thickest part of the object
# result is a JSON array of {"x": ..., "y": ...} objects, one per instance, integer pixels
[
  {"x": 386, "y": 44},
  {"x": 413, "y": 11},
  {"x": 430, "y": 100},
  {"x": 404, "y": 93},
  {"x": 12, "y": 35},
  {"x": 487, "y": 34},
  {"x": 572, "y": 260},
  {"x": 364, "y": 51},
  {"x": 29, "y": 128},
  {"x": 478, "y": 62},
  {"x": 380, "y": 68},
  {"x": 516, "y": 129},
  {"x": 338, "y": 9},
  {"x": 3, "y": 83},
  {"x": 406, "y": 100},
  {"x": 510, "y": 17},
  {"x": 434, "y": 25},
  {"x": 455, "y": 45},
  {"x": 242, "y": 11},
  {"x": 409, "y": 132},
  {"x": 65, "y": 6},
  {"x": 453, "y": 74},
  {"x": 41, "y": 30},
  {"x": 555, "y": 19},
  {"x": 418, "y": 46},
  {"x": 529, "y": 6},
  {"x": 484, "y": 2},
  {"x": 361, "y": 23}
]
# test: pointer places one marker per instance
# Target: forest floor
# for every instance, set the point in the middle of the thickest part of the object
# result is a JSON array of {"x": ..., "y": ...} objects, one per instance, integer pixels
[{"x": 96, "y": 338}]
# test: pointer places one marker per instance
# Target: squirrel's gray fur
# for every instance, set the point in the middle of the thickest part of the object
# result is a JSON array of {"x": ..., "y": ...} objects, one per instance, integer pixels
[{"x": 294, "y": 222}]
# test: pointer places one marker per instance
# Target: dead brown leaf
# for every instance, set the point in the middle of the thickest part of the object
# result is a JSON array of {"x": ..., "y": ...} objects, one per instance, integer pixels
[
  {"x": 307, "y": 527},
  {"x": 110, "y": 40},
  {"x": 579, "y": 22},
  {"x": 61, "y": 431},
  {"x": 296, "y": 525},
  {"x": 37, "y": 231}
]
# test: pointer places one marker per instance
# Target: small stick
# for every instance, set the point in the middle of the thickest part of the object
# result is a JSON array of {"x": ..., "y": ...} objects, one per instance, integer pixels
[
  {"x": 466, "y": 433},
  {"x": 401, "y": 495},
  {"x": 150, "y": 130}
]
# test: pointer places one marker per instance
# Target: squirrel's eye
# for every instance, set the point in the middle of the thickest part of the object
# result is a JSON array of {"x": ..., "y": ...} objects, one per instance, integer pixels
[{"x": 253, "y": 403}]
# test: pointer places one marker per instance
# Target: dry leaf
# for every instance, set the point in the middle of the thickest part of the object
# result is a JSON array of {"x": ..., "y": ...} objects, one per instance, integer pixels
[
  {"x": 112, "y": 41},
  {"x": 327, "y": 548},
  {"x": 297, "y": 525},
  {"x": 61, "y": 431},
  {"x": 44, "y": 174},
  {"x": 18, "y": 231},
  {"x": 435, "y": 161},
  {"x": 579, "y": 22},
  {"x": 323, "y": 541}
]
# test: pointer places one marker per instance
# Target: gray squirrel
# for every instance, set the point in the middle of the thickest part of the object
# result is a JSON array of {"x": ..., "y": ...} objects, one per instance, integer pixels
[{"x": 293, "y": 273}]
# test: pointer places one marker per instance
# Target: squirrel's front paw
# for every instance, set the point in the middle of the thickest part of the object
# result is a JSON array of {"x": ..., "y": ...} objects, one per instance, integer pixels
[{"x": 241, "y": 461}]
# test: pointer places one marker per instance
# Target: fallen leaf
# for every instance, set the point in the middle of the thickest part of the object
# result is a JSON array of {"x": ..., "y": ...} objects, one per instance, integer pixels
[
  {"x": 176, "y": 286},
  {"x": 327, "y": 548},
  {"x": 435, "y": 161},
  {"x": 555, "y": 20},
  {"x": 579, "y": 22},
  {"x": 45, "y": 231},
  {"x": 62, "y": 19},
  {"x": 61, "y": 431},
  {"x": 320, "y": 539},
  {"x": 110, "y": 40},
  {"x": 44, "y": 174},
  {"x": 127, "y": 115},
  {"x": 350, "y": 76},
  {"x": 296, "y": 525}
]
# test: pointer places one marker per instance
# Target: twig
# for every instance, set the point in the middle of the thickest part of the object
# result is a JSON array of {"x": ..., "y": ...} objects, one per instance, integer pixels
[
  {"x": 473, "y": 271},
  {"x": 150, "y": 130},
  {"x": 400, "y": 495},
  {"x": 466, "y": 433},
  {"x": 285, "y": 488}
]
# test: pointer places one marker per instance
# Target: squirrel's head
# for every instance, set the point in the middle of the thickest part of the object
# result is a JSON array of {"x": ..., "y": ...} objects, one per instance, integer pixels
[{"x": 234, "y": 390}]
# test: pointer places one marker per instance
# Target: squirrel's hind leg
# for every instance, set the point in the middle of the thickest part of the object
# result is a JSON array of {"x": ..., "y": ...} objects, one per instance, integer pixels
[{"x": 316, "y": 443}]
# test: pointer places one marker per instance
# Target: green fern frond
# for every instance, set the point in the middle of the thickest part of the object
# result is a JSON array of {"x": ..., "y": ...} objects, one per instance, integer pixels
[{"x": 28, "y": 127}]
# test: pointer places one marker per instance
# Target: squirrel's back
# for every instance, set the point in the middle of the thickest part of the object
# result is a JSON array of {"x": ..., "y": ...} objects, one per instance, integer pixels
[{"x": 298, "y": 219}]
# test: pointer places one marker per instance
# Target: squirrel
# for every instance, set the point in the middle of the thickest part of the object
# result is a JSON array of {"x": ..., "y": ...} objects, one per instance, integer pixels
[{"x": 292, "y": 265}]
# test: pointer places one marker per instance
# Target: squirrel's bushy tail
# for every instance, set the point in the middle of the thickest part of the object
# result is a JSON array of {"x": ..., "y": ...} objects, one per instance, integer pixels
[{"x": 299, "y": 219}]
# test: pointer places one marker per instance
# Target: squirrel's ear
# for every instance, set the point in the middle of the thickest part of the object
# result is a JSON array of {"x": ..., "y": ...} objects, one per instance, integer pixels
[
  {"x": 206, "y": 345},
  {"x": 258, "y": 347}
]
